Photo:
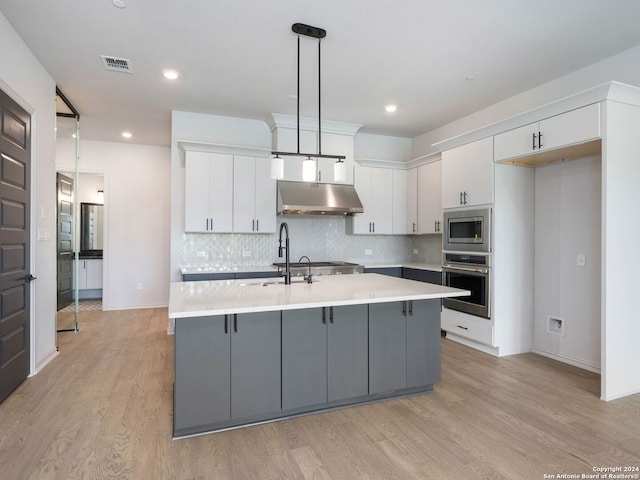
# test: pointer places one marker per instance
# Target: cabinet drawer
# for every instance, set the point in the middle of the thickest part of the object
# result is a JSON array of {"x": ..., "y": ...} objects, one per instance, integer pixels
[{"x": 468, "y": 326}]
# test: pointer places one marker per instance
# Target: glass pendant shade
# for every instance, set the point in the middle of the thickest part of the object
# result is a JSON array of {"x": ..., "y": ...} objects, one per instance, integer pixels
[
  {"x": 277, "y": 168},
  {"x": 309, "y": 170},
  {"x": 339, "y": 171}
]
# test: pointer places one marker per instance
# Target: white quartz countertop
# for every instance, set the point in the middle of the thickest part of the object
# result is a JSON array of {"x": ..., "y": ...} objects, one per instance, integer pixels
[
  {"x": 223, "y": 297},
  {"x": 227, "y": 269}
]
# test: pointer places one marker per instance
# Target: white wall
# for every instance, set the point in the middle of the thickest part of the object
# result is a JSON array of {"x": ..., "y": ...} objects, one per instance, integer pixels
[
  {"x": 624, "y": 67},
  {"x": 621, "y": 231},
  {"x": 382, "y": 147},
  {"x": 24, "y": 79},
  {"x": 567, "y": 222},
  {"x": 215, "y": 129},
  {"x": 137, "y": 204}
]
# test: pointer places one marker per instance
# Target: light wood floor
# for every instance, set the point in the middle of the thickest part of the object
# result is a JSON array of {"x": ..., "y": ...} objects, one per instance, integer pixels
[{"x": 102, "y": 410}]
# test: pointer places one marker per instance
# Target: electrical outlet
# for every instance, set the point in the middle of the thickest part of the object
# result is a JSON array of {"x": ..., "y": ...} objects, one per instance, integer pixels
[
  {"x": 415, "y": 251},
  {"x": 140, "y": 286},
  {"x": 581, "y": 261},
  {"x": 368, "y": 252},
  {"x": 246, "y": 253}
]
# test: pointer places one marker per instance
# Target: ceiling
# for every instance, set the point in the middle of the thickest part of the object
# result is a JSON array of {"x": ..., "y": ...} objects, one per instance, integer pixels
[{"x": 238, "y": 58}]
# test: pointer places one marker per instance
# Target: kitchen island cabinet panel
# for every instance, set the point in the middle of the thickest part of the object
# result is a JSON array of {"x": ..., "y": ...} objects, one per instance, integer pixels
[
  {"x": 423, "y": 343},
  {"x": 387, "y": 347},
  {"x": 347, "y": 347},
  {"x": 255, "y": 364},
  {"x": 304, "y": 357},
  {"x": 202, "y": 373}
]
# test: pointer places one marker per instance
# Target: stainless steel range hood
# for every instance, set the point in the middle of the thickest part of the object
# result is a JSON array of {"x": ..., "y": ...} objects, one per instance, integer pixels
[{"x": 305, "y": 198}]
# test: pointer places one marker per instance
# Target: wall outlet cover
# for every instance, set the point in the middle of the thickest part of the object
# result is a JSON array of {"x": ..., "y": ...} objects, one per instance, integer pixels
[{"x": 581, "y": 260}]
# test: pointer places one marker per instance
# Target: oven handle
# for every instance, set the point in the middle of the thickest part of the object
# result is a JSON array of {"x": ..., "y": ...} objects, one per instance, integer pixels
[{"x": 465, "y": 269}]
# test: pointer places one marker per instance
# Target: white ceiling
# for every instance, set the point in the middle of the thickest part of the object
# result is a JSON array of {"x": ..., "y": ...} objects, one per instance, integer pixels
[{"x": 238, "y": 58}]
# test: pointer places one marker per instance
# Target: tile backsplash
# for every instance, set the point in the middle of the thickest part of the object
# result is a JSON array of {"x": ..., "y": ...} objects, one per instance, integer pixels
[{"x": 320, "y": 238}]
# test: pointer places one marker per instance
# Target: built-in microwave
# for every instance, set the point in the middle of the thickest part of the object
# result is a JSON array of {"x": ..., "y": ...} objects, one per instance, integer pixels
[{"x": 467, "y": 230}]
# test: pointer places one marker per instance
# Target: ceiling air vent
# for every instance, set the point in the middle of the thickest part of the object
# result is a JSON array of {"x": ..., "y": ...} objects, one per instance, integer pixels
[{"x": 116, "y": 64}]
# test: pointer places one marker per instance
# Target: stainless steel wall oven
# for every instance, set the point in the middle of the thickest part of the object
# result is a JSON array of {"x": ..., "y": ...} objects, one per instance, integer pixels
[{"x": 469, "y": 272}]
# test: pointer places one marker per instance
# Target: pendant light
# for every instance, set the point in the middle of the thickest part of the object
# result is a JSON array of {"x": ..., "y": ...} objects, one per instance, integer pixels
[
  {"x": 277, "y": 167},
  {"x": 309, "y": 164},
  {"x": 339, "y": 171}
]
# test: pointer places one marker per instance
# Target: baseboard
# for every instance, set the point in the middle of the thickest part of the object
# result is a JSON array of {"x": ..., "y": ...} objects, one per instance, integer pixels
[
  {"x": 470, "y": 343},
  {"x": 620, "y": 395},
  {"x": 45, "y": 360},
  {"x": 576, "y": 362},
  {"x": 171, "y": 329},
  {"x": 141, "y": 307}
]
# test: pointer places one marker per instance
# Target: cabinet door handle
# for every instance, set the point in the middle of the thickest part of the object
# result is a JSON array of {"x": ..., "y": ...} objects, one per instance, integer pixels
[
  {"x": 539, "y": 140},
  {"x": 411, "y": 308},
  {"x": 533, "y": 142},
  {"x": 331, "y": 314},
  {"x": 207, "y": 224},
  {"x": 374, "y": 227},
  {"x": 319, "y": 175},
  {"x": 463, "y": 328},
  {"x": 464, "y": 196},
  {"x": 461, "y": 199},
  {"x": 324, "y": 316},
  {"x": 226, "y": 324},
  {"x": 404, "y": 308},
  {"x": 235, "y": 322},
  {"x": 414, "y": 227},
  {"x": 253, "y": 225},
  {"x": 257, "y": 224}
]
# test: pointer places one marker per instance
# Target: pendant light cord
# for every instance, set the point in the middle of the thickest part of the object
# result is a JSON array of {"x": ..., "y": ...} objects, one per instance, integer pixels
[
  {"x": 319, "y": 104},
  {"x": 298, "y": 95}
]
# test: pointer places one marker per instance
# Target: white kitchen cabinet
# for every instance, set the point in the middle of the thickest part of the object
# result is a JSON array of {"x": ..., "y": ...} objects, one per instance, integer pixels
[
  {"x": 429, "y": 204},
  {"x": 399, "y": 202},
  {"x": 570, "y": 128},
  {"x": 208, "y": 192},
  {"x": 254, "y": 195},
  {"x": 375, "y": 189},
  {"x": 467, "y": 174},
  {"x": 411, "y": 219},
  {"x": 90, "y": 274}
]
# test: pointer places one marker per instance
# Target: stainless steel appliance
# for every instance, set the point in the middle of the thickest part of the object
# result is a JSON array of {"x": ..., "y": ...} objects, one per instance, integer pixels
[
  {"x": 469, "y": 272},
  {"x": 307, "y": 198},
  {"x": 300, "y": 269},
  {"x": 467, "y": 230}
]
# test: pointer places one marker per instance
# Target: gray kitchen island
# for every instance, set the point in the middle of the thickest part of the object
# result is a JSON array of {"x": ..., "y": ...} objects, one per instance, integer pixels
[{"x": 250, "y": 351}]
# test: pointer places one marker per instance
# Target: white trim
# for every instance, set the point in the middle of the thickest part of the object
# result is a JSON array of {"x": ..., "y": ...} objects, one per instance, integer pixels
[
  {"x": 186, "y": 145},
  {"x": 576, "y": 362},
  {"x": 33, "y": 234},
  {"x": 475, "y": 345},
  {"x": 279, "y": 120},
  {"x": 45, "y": 360},
  {"x": 625, "y": 394},
  {"x": 400, "y": 165}
]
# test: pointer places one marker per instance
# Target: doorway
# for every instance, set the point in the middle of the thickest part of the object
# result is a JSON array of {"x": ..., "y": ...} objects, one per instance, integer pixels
[{"x": 15, "y": 244}]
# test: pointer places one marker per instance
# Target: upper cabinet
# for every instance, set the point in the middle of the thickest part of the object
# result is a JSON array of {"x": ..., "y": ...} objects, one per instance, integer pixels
[
  {"x": 411, "y": 217},
  {"x": 400, "y": 215},
  {"x": 254, "y": 195},
  {"x": 375, "y": 189},
  {"x": 208, "y": 200},
  {"x": 467, "y": 174},
  {"x": 228, "y": 193},
  {"x": 570, "y": 128},
  {"x": 429, "y": 198}
]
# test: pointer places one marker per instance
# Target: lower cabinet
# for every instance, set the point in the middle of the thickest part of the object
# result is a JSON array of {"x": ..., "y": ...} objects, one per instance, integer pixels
[
  {"x": 226, "y": 366},
  {"x": 404, "y": 345},
  {"x": 233, "y": 370},
  {"x": 324, "y": 355}
]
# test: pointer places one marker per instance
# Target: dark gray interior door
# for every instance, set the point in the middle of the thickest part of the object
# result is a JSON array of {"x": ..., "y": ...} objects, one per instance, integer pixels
[
  {"x": 15, "y": 177},
  {"x": 64, "y": 240}
]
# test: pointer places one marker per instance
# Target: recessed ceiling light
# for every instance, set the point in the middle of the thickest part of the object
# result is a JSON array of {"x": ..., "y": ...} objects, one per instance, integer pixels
[
  {"x": 118, "y": 3},
  {"x": 391, "y": 108},
  {"x": 170, "y": 74},
  {"x": 127, "y": 134},
  {"x": 470, "y": 77}
]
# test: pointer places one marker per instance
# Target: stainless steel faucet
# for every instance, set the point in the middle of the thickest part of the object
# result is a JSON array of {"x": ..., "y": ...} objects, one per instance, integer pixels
[
  {"x": 287, "y": 272},
  {"x": 308, "y": 278}
]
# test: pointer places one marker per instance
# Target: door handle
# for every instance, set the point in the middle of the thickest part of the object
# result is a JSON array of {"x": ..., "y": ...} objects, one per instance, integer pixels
[
  {"x": 226, "y": 324},
  {"x": 404, "y": 308},
  {"x": 331, "y": 314},
  {"x": 324, "y": 316},
  {"x": 533, "y": 142},
  {"x": 253, "y": 225},
  {"x": 257, "y": 224},
  {"x": 539, "y": 140},
  {"x": 411, "y": 308},
  {"x": 29, "y": 278},
  {"x": 235, "y": 323},
  {"x": 207, "y": 224}
]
